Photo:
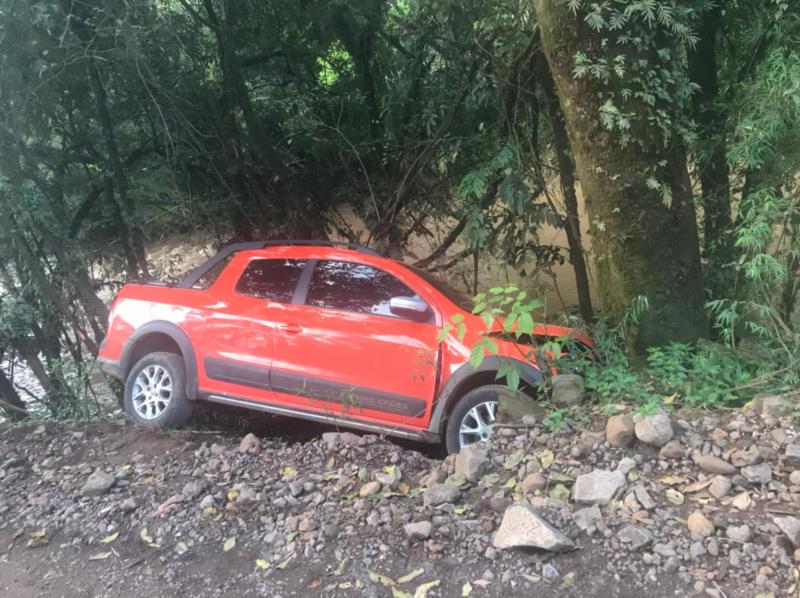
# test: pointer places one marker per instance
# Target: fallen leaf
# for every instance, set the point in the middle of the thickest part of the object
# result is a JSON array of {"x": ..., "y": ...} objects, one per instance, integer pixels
[
  {"x": 411, "y": 576},
  {"x": 696, "y": 486},
  {"x": 37, "y": 538},
  {"x": 100, "y": 556},
  {"x": 560, "y": 492},
  {"x": 673, "y": 480},
  {"x": 491, "y": 478},
  {"x": 210, "y": 511},
  {"x": 291, "y": 536},
  {"x": 181, "y": 548},
  {"x": 285, "y": 563},
  {"x": 376, "y": 577},
  {"x": 401, "y": 594},
  {"x": 569, "y": 581},
  {"x": 169, "y": 504},
  {"x": 403, "y": 487},
  {"x": 510, "y": 483},
  {"x": 233, "y": 495},
  {"x": 561, "y": 477},
  {"x": 144, "y": 535},
  {"x": 546, "y": 458},
  {"x": 514, "y": 459},
  {"x": 229, "y": 544},
  {"x": 422, "y": 591},
  {"x": 340, "y": 569},
  {"x": 675, "y": 497},
  {"x": 742, "y": 501},
  {"x": 532, "y": 577},
  {"x": 110, "y": 538},
  {"x": 466, "y": 590},
  {"x": 288, "y": 472},
  {"x": 262, "y": 564}
]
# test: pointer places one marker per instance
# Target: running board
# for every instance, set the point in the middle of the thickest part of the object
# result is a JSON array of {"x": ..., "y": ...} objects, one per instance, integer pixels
[{"x": 422, "y": 435}]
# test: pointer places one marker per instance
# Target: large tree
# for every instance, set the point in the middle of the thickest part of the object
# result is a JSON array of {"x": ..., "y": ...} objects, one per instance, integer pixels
[{"x": 618, "y": 77}]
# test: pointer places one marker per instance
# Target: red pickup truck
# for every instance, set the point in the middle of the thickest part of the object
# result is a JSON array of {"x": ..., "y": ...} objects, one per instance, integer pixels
[{"x": 325, "y": 331}]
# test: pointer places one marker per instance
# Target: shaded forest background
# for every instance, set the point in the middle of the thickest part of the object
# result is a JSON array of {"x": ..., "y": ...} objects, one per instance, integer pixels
[{"x": 471, "y": 124}]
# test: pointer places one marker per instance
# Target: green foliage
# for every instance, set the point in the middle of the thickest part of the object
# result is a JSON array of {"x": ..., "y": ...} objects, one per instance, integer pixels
[{"x": 555, "y": 420}]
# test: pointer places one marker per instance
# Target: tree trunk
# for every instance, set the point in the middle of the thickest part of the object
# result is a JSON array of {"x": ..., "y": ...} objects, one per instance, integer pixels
[
  {"x": 10, "y": 402},
  {"x": 712, "y": 163},
  {"x": 118, "y": 171},
  {"x": 566, "y": 175},
  {"x": 643, "y": 247},
  {"x": 79, "y": 22}
]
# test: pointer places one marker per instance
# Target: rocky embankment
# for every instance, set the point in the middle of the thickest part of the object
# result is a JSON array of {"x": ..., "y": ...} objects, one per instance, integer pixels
[{"x": 688, "y": 503}]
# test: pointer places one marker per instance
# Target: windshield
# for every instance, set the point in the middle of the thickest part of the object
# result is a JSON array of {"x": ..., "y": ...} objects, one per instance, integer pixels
[{"x": 461, "y": 299}]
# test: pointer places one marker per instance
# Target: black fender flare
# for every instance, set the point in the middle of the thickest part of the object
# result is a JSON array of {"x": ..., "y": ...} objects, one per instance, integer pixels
[
  {"x": 181, "y": 339},
  {"x": 529, "y": 375}
]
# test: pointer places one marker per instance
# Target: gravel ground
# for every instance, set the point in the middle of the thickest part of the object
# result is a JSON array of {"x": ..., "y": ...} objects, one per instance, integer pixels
[{"x": 667, "y": 505}]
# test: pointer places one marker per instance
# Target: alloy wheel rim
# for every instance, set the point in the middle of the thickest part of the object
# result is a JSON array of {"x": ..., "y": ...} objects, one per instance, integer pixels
[
  {"x": 152, "y": 391},
  {"x": 476, "y": 425}
]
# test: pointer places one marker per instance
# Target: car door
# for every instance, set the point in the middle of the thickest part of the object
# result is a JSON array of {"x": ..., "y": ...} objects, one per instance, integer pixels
[
  {"x": 238, "y": 342},
  {"x": 344, "y": 352}
]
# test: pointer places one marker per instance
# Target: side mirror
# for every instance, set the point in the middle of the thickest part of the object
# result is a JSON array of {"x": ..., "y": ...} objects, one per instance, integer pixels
[{"x": 412, "y": 308}]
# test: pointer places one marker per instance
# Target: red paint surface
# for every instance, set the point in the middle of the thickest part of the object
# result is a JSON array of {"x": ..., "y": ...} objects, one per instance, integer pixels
[{"x": 384, "y": 353}]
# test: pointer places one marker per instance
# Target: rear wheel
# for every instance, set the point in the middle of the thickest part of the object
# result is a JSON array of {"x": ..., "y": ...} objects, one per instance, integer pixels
[
  {"x": 473, "y": 416},
  {"x": 155, "y": 392}
]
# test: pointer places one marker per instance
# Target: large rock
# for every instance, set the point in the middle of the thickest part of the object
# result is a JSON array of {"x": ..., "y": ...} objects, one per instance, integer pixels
[
  {"x": 758, "y": 474},
  {"x": 699, "y": 524},
  {"x": 516, "y": 407},
  {"x": 598, "y": 487},
  {"x": 619, "y": 430},
  {"x": 792, "y": 456},
  {"x": 522, "y": 527},
  {"x": 369, "y": 489},
  {"x": 635, "y": 537},
  {"x": 719, "y": 487},
  {"x": 193, "y": 489},
  {"x": 739, "y": 533},
  {"x": 334, "y": 440},
  {"x": 772, "y": 405},
  {"x": 791, "y": 527},
  {"x": 97, "y": 484},
  {"x": 419, "y": 530},
  {"x": 250, "y": 444},
  {"x": 672, "y": 450},
  {"x": 655, "y": 429},
  {"x": 712, "y": 464},
  {"x": 568, "y": 389},
  {"x": 472, "y": 462},
  {"x": 533, "y": 482},
  {"x": 587, "y": 517},
  {"x": 439, "y": 494}
]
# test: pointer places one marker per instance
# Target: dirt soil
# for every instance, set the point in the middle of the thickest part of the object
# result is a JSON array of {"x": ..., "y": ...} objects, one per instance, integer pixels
[{"x": 108, "y": 509}]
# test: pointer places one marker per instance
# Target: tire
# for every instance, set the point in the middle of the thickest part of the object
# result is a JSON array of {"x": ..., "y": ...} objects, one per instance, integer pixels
[
  {"x": 488, "y": 394},
  {"x": 152, "y": 406}
]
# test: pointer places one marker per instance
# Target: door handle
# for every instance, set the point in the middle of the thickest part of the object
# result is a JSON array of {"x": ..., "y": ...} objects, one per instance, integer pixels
[{"x": 290, "y": 328}]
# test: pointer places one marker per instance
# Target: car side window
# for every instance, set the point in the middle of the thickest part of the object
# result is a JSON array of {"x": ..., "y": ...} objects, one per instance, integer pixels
[
  {"x": 274, "y": 280},
  {"x": 354, "y": 287}
]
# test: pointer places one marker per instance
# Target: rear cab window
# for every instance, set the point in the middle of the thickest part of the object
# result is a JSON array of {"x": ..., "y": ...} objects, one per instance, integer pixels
[
  {"x": 271, "y": 279},
  {"x": 354, "y": 287}
]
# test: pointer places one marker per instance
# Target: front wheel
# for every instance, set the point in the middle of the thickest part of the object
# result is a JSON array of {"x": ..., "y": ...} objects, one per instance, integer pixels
[
  {"x": 472, "y": 418},
  {"x": 155, "y": 392}
]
